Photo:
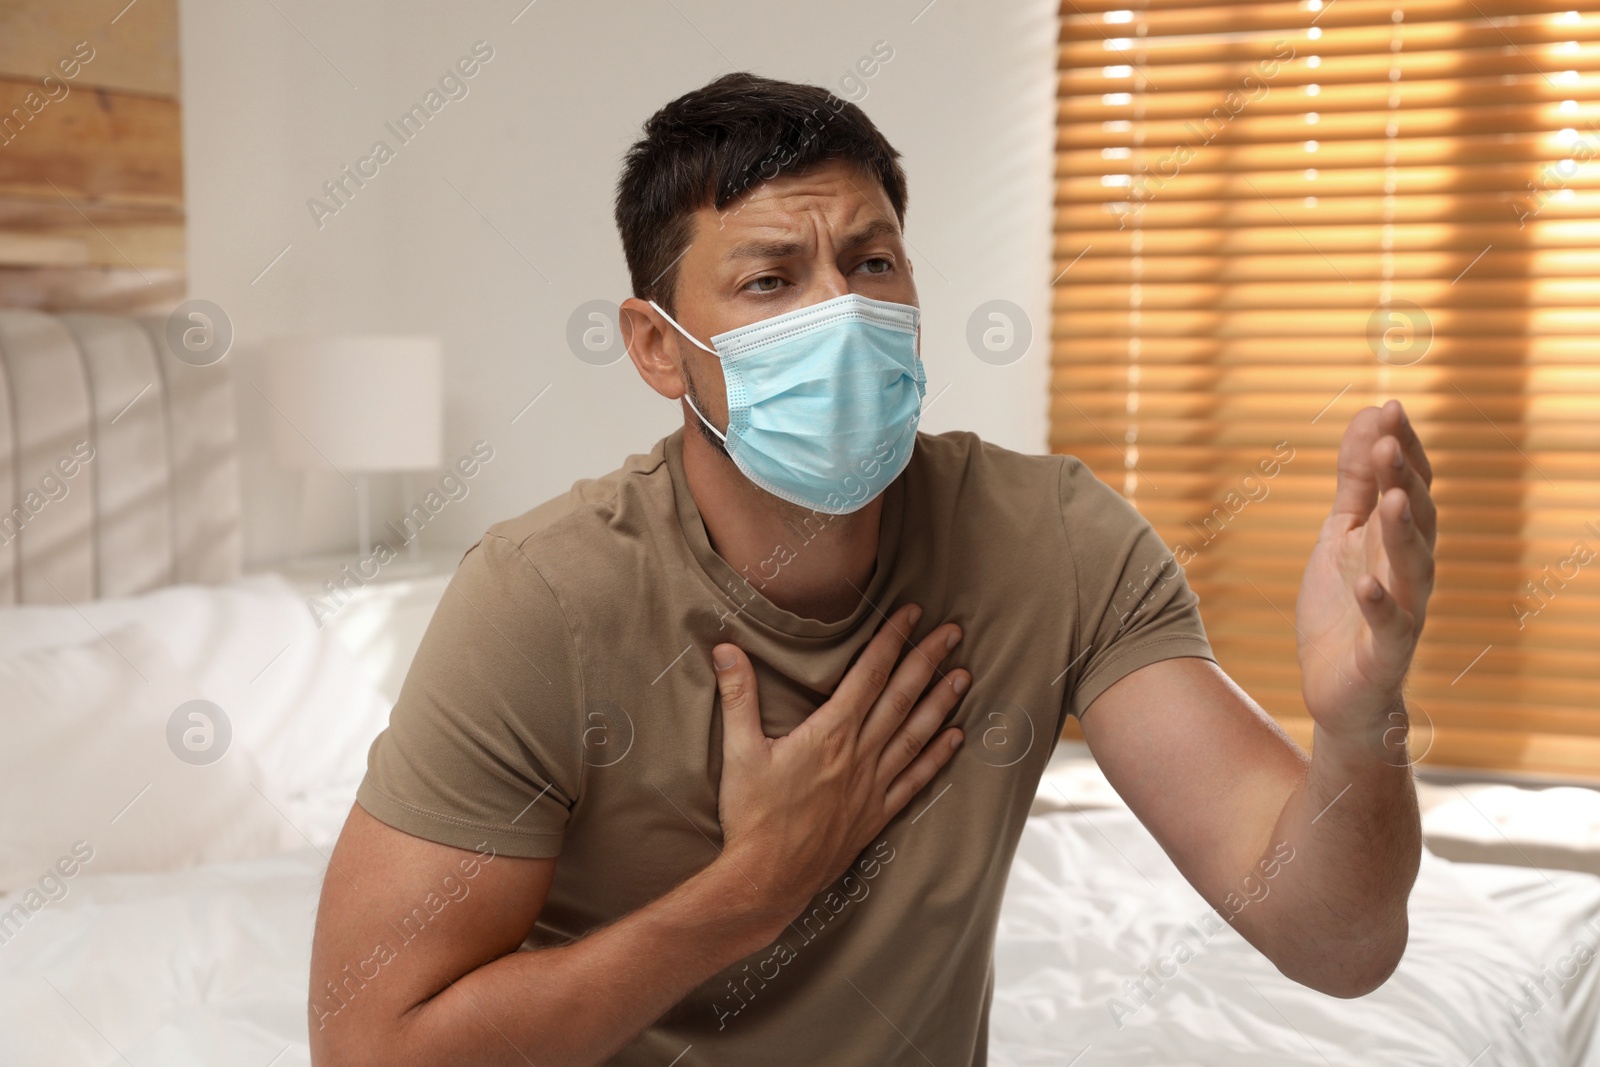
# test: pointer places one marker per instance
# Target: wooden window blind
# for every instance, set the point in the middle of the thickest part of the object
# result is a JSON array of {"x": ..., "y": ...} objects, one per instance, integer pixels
[{"x": 1271, "y": 214}]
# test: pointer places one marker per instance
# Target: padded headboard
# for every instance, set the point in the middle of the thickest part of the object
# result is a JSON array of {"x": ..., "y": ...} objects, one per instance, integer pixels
[{"x": 119, "y": 468}]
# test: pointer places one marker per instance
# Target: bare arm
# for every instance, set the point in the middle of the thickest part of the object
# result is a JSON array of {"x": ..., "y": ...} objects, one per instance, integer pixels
[
  {"x": 576, "y": 1003},
  {"x": 1338, "y": 920},
  {"x": 795, "y": 811},
  {"x": 1312, "y": 859},
  {"x": 1313, "y": 874}
]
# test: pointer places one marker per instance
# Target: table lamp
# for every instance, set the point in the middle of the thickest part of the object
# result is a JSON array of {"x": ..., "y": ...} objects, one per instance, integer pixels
[{"x": 359, "y": 405}]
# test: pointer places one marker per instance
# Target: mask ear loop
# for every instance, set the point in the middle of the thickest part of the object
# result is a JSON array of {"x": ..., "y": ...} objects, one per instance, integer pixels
[{"x": 720, "y": 435}]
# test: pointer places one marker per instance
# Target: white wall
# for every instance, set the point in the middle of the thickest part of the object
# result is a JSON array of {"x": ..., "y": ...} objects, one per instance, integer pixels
[{"x": 278, "y": 97}]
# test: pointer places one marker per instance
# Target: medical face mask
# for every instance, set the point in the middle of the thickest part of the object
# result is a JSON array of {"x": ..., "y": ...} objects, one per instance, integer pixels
[{"x": 823, "y": 401}]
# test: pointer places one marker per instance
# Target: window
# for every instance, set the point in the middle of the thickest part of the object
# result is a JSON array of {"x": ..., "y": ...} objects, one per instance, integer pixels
[{"x": 1271, "y": 214}]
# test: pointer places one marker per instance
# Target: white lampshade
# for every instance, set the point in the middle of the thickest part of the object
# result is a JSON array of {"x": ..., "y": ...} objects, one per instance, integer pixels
[{"x": 357, "y": 403}]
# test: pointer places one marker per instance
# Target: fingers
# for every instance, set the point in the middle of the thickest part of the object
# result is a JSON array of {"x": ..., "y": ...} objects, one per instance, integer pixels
[
  {"x": 1393, "y": 633},
  {"x": 1410, "y": 558},
  {"x": 741, "y": 711},
  {"x": 1358, "y": 480},
  {"x": 1397, "y": 424},
  {"x": 910, "y": 678},
  {"x": 1395, "y": 471},
  {"x": 871, "y": 671},
  {"x": 911, "y": 739},
  {"x": 914, "y": 778},
  {"x": 1365, "y": 469}
]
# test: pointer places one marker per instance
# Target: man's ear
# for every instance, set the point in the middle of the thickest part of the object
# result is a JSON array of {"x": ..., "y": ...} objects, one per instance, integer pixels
[{"x": 644, "y": 335}]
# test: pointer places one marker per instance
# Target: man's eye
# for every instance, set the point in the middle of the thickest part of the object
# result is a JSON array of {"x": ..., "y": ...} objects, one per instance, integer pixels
[
  {"x": 756, "y": 283},
  {"x": 886, "y": 265}
]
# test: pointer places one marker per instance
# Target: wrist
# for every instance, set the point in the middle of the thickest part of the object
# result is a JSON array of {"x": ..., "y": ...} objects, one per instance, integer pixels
[
  {"x": 1380, "y": 734},
  {"x": 753, "y": 905}
]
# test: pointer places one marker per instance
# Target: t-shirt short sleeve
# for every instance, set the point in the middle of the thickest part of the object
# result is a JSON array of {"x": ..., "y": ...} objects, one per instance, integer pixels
[
  {"x": 483, "y": 746},
  {"x": 1135, "y": 606}
]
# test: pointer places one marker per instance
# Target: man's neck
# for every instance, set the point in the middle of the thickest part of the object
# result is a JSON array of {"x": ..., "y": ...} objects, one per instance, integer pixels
[{"x": 809, "y": 563}]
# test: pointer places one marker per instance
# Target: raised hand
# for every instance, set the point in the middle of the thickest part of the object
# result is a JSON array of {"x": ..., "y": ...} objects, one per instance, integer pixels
[{"x": 1365, "y": 592}]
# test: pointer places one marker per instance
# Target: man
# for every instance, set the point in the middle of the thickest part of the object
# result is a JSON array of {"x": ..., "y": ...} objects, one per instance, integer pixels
[{"x": 739, "y": 739}]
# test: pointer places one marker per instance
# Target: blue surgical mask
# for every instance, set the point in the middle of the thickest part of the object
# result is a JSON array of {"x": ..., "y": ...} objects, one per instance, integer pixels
[{"x": 823, "y": 401}]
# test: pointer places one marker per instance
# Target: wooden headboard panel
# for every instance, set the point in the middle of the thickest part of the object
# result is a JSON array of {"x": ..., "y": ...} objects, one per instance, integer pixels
[{"x": 119, "y": 467}]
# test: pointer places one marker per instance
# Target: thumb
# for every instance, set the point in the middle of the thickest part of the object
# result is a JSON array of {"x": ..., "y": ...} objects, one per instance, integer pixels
[{"x": 741, "y": 711}]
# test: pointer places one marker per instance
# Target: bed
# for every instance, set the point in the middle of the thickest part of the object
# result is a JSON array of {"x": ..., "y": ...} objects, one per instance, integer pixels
[{"x": 159, "y": 872}]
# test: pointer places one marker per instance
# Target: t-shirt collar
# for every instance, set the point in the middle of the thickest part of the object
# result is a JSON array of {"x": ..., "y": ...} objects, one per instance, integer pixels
[{"x": 734, "y": 589}]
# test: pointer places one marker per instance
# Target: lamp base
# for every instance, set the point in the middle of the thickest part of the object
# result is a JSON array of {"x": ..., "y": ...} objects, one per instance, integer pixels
[{"x": 364, "y": 514}]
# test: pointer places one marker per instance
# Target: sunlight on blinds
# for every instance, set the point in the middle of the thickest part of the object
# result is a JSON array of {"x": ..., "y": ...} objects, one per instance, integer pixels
[{"x": 1271, "y": 214}]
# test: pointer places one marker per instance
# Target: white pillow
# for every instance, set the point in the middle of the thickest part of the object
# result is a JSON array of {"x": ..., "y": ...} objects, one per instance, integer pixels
[
  {"x": 89, "y": 781},
  {"x": 298, "y": 700}
]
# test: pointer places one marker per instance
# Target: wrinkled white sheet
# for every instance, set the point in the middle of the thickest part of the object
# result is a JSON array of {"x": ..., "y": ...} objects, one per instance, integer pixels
[
  {"x": 205, "y": 966},
  {"x": 1093, "y": 900},
  {"x": 208, "y": 966},
  {"x": 1555, "y": 916}
]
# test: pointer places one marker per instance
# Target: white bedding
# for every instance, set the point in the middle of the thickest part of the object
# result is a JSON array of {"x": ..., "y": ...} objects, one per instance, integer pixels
[
  {"x": 204, "y": 966},
  {"x": 297, "y": 700},
  {"x": 208, "y": 966},
  {"x": 1080, "y": 920}
]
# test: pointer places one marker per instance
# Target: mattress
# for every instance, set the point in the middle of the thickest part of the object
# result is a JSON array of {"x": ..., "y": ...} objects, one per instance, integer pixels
[
  {"x": 1104, "y": 953},
  {"x": 209, "y": 966}
]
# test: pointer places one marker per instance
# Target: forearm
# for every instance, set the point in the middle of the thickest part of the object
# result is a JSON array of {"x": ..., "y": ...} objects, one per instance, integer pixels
[
  {"x": 1333, "y": 916},
  {"x": 577, "y": 1004}
]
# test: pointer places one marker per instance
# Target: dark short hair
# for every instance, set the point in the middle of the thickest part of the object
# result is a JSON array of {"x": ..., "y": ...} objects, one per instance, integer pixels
[{"x": 710, "y": 145}]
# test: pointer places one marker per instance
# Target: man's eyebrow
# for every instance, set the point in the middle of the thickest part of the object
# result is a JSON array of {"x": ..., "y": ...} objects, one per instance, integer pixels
[
  {"x": 871, "y": 231},
  {"x": 766, "y": 250},
  {"x": 786, "y": 249}
]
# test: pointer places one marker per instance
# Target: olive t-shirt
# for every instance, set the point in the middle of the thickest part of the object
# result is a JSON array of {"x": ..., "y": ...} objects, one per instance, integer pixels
[{"x": 563, "y": 703}]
